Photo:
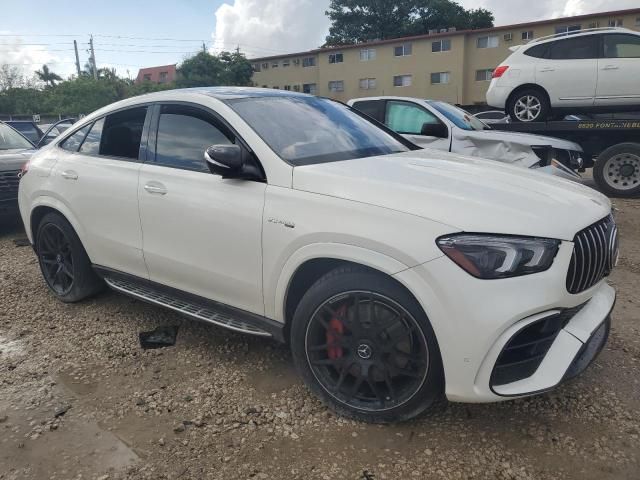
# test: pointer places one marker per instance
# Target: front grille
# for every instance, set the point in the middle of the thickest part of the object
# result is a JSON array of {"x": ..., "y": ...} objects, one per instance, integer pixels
[
  {"x": 523, "y": 354},
  {"x": 594, "y": 255},
  {"x": 9, "y": 185}
]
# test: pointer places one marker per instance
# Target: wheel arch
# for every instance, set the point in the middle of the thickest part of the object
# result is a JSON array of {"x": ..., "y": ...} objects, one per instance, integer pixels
[{"x": 44, "y": 205}]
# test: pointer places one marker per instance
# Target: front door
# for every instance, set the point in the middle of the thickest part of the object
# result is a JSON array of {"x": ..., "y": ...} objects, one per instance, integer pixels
[
  {"x": 619, "y": 70},
  {"x": 408, "y": 119},
  {"x": 570, "y": 71},
  {"x": 202, "y": 233},
  {"x": 97, "y": 173}
]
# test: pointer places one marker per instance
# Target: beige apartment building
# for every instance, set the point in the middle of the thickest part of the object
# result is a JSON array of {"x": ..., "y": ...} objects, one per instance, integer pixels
[{"x": 454, "y": 66}]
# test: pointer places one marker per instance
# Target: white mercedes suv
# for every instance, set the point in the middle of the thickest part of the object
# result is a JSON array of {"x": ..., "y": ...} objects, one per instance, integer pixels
[
  {"x": 590, "y": 70},
  {"x": 396, "y": 274}
]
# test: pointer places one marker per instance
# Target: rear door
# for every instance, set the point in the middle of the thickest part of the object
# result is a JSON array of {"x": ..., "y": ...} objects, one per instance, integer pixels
[
  {"x": 619, "y": 70},
  {"x": 570, "y": 70},
  {"x": 97, "y": 176},
  {"x": 407, "y": 119}
]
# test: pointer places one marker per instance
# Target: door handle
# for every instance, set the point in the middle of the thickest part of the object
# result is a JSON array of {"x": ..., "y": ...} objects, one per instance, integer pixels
[
  {"x": 69, "y": 175},
  {"x": 155, "y": 188},
  {"x": 610, "y": 67}
]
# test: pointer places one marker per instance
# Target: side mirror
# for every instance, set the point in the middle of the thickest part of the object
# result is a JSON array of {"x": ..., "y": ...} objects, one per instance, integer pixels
[
  {"x": 225, "y": 160},
  {"x": 437, "y": 130}
]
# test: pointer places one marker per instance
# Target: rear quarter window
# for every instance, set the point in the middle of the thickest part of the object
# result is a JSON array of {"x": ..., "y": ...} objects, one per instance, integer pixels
[{"x": 538, "y": 51}]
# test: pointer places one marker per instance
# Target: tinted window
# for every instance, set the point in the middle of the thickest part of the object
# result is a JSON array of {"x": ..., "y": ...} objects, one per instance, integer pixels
[
  {"x": 308, "y": 130},
  {"x": 404, "y": 117},
  {"x": 91, "y": 144},
  {"x": 373, "y": 108},
  {"x": 539, "y": 51},
  {"x": 29, "y": 130},
  {"x": 122, "y": 133},
  {"x": 621, "y": 46},
  {"x": 460, "y": 118},
  {"x": 575, "y": 48},
  {"x": 74, "y": 141},
  {"x": 10, "y": 139},
  {"x": 184, "y": 134}
]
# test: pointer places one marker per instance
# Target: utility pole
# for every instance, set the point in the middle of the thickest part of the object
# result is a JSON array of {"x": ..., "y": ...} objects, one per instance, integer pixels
[
  {"x": 204, "y": 48},
  {"x": 92, "y": 59},
  {"x": 75, "y": 47}
]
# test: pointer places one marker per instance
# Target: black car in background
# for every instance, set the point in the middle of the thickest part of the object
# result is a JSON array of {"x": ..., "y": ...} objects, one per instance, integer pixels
[{"x": 15, "y": 151}]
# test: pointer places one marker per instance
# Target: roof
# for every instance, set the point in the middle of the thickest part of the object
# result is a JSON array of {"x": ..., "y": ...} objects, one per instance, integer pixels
[
  {"x": 158, "y": 68},
  {"x": 452, "y": 33}
]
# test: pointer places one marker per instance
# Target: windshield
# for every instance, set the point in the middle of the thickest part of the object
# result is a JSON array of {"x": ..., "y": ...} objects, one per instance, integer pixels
[
  {"x": 308, "y": 130},
  {"x": 461, "y": 118},
  {"x": 10, "y": 139}
]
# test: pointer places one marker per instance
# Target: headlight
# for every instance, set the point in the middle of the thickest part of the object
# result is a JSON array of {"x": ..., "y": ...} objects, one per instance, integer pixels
[{"x": 494, "y": 256}]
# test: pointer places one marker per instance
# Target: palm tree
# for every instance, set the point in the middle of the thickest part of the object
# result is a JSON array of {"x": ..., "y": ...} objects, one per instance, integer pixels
[{"x": 47, "y": 76}]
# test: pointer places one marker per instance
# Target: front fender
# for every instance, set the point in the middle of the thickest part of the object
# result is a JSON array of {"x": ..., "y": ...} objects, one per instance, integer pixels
[{"x": 275, "y": 298}]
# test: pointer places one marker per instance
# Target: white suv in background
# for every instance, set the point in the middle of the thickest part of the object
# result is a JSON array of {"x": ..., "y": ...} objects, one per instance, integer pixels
[
  {"x": 589, "y": 70},
  {"x": 394, "y": 273}
]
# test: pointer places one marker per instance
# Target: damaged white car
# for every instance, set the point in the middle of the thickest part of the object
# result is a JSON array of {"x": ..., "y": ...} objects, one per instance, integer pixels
[{"x": 442, "y": 126}]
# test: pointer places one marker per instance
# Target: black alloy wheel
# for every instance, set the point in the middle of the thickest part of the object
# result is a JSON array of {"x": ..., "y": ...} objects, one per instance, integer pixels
[
  {"x": 56, "y": 258},
  {"x": 367, "y": 351}
]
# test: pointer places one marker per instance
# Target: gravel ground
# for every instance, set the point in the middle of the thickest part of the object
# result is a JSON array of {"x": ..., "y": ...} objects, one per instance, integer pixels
[{"x": 79, "y": 398}]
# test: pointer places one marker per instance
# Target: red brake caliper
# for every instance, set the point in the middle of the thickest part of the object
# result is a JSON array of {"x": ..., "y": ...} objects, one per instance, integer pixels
[{"x": 334, "y": 334}]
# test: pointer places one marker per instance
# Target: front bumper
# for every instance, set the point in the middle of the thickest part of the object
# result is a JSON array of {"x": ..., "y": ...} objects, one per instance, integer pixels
[{"x": 475, "y": 319}]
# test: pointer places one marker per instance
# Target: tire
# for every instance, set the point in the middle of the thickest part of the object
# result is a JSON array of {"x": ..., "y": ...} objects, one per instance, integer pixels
[
  {"x": 617, "y": 170},
  {"x": 521, "y": 106},
  {"x": 63, "y": 261},
  {"x": 387, "y": 353}
]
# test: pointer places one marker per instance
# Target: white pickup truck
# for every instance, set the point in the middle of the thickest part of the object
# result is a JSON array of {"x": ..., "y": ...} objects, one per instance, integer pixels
[{"x": 442, "y": 126}]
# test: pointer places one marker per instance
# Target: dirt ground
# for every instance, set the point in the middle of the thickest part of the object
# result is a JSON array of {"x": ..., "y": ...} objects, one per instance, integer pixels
[{"x": 79, "y": 399}]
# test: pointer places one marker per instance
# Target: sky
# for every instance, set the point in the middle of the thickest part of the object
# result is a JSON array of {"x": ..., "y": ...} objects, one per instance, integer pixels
[{"x": 129, "y": 34}]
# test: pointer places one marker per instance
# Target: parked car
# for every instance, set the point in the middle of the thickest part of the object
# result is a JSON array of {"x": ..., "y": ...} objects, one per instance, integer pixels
[
  {"x": 493, "y": 116},
  {"x": 27, "y": 128},
  {"x": 295, "y": 217},
  {"x": 440, "y": 125},
  {"x": 51, "y": 131},
  {"x": 15, "y": 150},
  {"x": 586, "y": 71}
]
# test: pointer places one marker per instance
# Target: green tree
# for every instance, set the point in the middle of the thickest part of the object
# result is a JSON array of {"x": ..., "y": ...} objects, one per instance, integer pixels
[
  {"x": 205, "y": 69},
  {"x": 47, "y": 76},
  {"x": 354, "y": 21},
  {"x": 237, "y": 70}
]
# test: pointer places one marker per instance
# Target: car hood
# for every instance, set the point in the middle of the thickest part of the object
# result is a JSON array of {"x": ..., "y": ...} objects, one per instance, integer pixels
[
  {"x": 468, "y": 194},
  {"x": 14, "y": 159},
  {"x": 527, "y": 139}
]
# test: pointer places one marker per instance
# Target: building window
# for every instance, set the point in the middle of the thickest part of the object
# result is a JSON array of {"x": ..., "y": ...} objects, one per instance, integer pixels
[
  {"x": 309, "y": 88},
  {"x": 568, "y": 29},
  {"x": 309, "y": 62},
  {"x": 265, "y": 86},
  {"x": 594, "y": 25},
  {"x": 285, "y": 63},
  {"x": 402, "y": 80},
  {"x": 265, "y": 66},
  {"x": 296, "y": 88},
  {"x": 508, "y": 37},
  {"x": 484, "y": 75},
  {"x": 256, "y": 67},
  {"x": 336, "y": 86},
  {"x": 275, "y": 64},
  {"x": 276, "y": 88},
  {"x": 147, "y": 77},
  {"x": 367, "y": 54},
  {"x": 440, "y": 78},
  {"x": 164, "y": 77},
  {"x": 336, "y": 58},
  {"x": 528, "y": 35},
  {"x": 637, "y": 21},
  {"x": 287, "y": 88},
  {"x": 441, "y": 46},
  {"x": 616, "y": 22},
  {"x": 490, "y": 41},
  {"x": 403, "y": 50},
  {"x": 367, "y": 84}
]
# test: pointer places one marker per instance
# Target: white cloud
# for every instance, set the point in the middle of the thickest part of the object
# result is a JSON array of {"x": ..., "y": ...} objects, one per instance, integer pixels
[
  {"x": 15, "y": 52},
  {"x": 270, "y": 27}
]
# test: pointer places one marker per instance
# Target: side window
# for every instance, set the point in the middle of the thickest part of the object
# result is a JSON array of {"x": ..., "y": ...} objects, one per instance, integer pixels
[
  {"x": 621, "y": 46},
  {"x": 184, "y": 134},
  {"x": 373, "y": 108},
  {"x": 74, "y": 141},
  {"x": 404, "y": 117},
  {"x": 537, "y": 51},
  {"x": 122, "y": 133},
  {"x": 577, "y": 48},
  {"x": 91, "y": 144}
]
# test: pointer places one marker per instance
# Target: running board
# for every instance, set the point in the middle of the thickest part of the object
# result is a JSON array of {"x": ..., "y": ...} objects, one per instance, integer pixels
[{"x": 193, "y": 306}]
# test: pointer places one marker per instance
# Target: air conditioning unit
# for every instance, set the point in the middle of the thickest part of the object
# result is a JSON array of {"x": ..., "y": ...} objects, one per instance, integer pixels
[
  {"x": 452, "y": 29},
  {"x": 443, "y": 30},
  {"x": 433, "y": 31},
  {"x": 508, "y": 37}
]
